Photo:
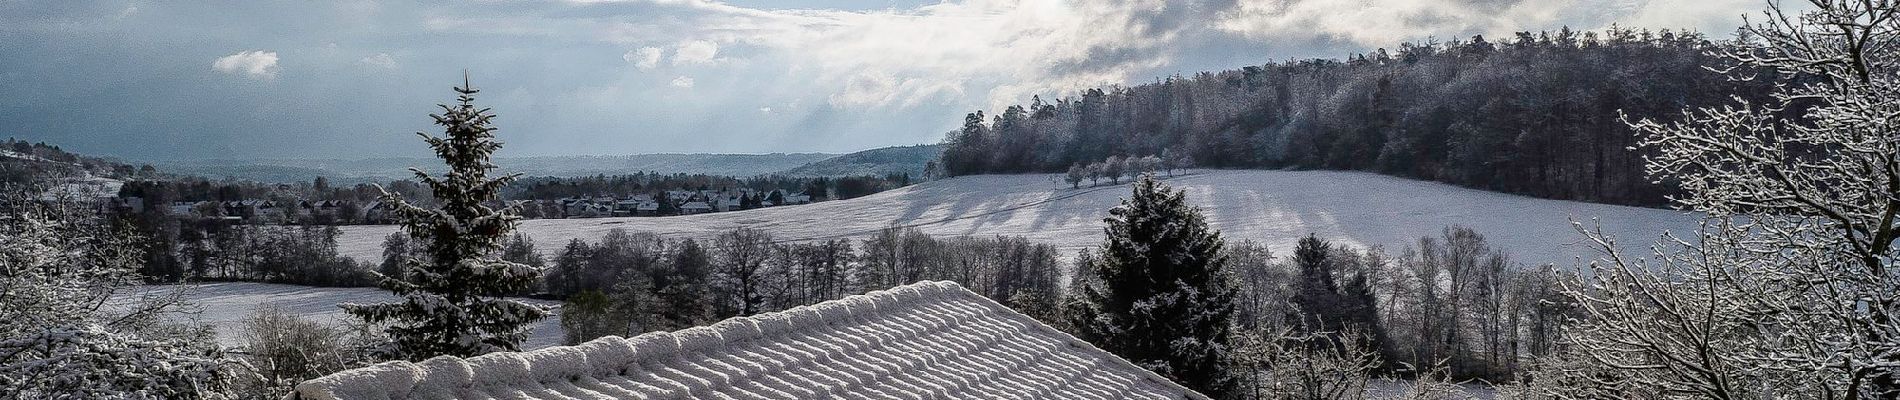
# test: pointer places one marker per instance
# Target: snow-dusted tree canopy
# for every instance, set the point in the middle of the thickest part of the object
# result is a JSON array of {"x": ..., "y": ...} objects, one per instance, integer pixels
[
  {"x": 1530, "y": 114},
  {"x": 61, "y": 339},
  {"x": 451, "y": 297},
  {"x": 1789, "y": 290}
]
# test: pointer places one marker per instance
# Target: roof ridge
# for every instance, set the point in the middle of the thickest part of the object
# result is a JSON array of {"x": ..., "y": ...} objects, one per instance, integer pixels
[{"x": 615, "y": 355}]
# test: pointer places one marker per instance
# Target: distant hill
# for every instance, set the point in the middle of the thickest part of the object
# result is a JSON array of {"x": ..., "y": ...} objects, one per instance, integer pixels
[
  {"x": 66, "y": 174},
  {"x": 1541, "y": 114},
  {"x": 883, "y": 161},
  {"x": 382, "y": 169}
]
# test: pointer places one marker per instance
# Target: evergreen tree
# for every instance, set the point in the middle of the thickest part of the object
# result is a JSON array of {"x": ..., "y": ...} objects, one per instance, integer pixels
[
  {"x": 1318, "y": 293},
  {"x": 1334, "y": 294},
  {"x": 1159, "y": 296},
  {"x": 451, "y": 298}
]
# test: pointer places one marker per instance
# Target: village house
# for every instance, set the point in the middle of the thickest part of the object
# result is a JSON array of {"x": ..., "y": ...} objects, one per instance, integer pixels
[
  {"x": 324, "y": 211},
  {"x": 187, "y": 208},
  {"x": 254, "y": 211},
  {"x": 378, "y": 212},
  {"x": 724, "y": 204},
  {"x": 678, "y": 196},
  {"x": 582, "y": 207},
  {"x": 626, "y": 207}
]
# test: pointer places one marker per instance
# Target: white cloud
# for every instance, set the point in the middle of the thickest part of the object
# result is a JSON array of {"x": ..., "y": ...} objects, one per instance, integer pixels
[
  {"x": 381, "y": 60},
  {"x": 683, "y": 82},
  {"x": 1708, "y": 15},
  {"x": 989, "y": 53},
  {"x": 765, "y": 110},
  {"x": 695, "y": 52},
  {"x": 644, "y": 58},
  {"x": 999, "y": 51},
  {"x": 257, "y": 64},
  {"x": 1412, "y": 20}
]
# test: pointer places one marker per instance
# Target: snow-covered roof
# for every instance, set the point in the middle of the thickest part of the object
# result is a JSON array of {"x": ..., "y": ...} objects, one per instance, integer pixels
[{"x": 926, "y": 340}]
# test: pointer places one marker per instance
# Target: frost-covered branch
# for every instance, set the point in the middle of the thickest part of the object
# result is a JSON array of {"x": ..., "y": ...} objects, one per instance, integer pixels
[{"x": 1788, "y": 288}]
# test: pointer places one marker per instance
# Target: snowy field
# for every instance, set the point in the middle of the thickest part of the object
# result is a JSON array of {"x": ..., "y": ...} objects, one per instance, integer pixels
[
  {"x": 225, "y": 306},
  {"x": 1275, "y": 208}
]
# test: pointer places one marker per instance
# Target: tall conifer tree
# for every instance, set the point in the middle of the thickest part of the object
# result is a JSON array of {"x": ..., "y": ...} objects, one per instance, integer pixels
[
  {"x": 451, "y": 296},
  {"x": 1334, "y": 293},
  {"x": 1159, "y": 295}
]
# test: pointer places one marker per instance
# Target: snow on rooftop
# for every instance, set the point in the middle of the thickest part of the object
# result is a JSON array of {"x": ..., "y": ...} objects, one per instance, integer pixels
[{"x": 925, "y": 340}]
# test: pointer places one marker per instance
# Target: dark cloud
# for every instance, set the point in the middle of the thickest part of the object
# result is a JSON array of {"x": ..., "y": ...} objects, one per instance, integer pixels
[{"x": 353, "y": 78}]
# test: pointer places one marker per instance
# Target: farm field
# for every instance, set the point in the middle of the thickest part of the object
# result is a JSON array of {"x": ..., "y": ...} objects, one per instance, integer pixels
[{"x": 1275, "y": 208}]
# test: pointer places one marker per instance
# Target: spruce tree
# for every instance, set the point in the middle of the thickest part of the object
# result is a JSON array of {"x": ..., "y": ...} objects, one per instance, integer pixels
[
  {"x": 451, "y": 296},
  {"x": 1158, "y": 295},
  {"x": 1334, "y": 294},
  {"x": 1317, "y": 294}
]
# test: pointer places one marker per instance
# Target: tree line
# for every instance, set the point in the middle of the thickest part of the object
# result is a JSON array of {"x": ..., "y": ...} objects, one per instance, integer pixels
[
  {"x": 1232, "y": 319},
  {"x": 1536, "y": 114},
  {"x": 819, "y": 188},
  {"x": 626, "y": 283},
  {"x": 1448, "y": 304}
]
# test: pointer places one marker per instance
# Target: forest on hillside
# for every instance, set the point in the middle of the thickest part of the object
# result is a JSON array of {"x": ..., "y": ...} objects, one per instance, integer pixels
[
  {"x": 1537, "y": 114},
  {"x": 23, "y": 163}
]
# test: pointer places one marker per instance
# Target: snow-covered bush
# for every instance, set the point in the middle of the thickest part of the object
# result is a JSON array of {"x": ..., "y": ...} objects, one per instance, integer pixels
[
  {"x": 58, "y": 269},
  {"x": 94, "y": 362},
  {"x": 1284, "y": 364},
  {"x": 284, "y": 349}
]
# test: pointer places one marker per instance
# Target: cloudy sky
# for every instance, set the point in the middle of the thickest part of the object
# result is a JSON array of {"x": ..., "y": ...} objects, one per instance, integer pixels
[{"x": 163, "y": 80}]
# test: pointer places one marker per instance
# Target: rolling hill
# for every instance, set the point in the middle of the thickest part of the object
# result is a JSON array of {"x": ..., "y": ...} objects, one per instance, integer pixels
[
  {"x": 881, "y": 161},
  {"x": 1271, "y": 207}
]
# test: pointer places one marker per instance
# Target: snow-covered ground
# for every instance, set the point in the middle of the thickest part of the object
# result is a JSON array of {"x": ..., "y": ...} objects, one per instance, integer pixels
[
  {"x": 84, "y": 188},
  {"x": 1275, "y": 208},
  {"x": 225, "y": 305}
]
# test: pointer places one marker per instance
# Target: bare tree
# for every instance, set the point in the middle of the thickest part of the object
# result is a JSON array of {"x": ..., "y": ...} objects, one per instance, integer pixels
[{"x": 739, "y": 272}]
